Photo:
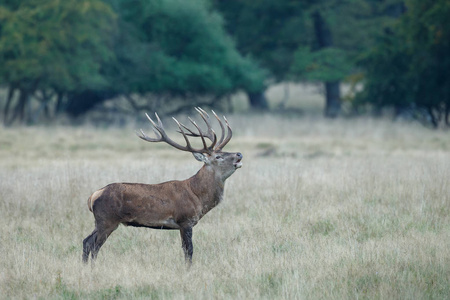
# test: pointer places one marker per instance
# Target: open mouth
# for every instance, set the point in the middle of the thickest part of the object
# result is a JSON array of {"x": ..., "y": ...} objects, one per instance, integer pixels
[{"x": 238, "y": 164}]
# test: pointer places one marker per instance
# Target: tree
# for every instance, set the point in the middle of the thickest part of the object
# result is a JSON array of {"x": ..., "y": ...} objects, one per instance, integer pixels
[
  {"x": 175, "y": 50},
  {"x": 341, "y": 32},
  {"x": 268, "y": 31},
  {"x": 325, "y": 63},
  {"x": 51, "y": 45},
  {"x": 306, "y": 40},
  {"x": 409, "y": 66}
]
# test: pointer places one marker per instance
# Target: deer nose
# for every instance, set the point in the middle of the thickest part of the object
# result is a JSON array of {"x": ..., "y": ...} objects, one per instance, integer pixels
[{"x": 239, "y": 155}]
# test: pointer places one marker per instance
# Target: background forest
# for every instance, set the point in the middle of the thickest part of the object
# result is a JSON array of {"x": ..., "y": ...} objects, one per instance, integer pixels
[{"x": 71, "y": 57}]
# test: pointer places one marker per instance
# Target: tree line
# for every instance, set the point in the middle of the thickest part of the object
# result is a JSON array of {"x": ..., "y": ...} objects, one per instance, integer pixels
[{"x": 66, "y": 57}]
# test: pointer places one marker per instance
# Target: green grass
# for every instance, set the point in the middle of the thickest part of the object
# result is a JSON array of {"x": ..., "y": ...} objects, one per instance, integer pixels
[{"x": 355, "y": 208}]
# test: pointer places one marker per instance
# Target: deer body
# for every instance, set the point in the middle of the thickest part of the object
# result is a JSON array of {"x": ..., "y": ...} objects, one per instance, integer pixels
[{"x": 168, "y": 205}]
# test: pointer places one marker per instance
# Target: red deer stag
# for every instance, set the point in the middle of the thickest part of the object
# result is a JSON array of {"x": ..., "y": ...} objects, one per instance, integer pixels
[{"x": 168, "y": 205}]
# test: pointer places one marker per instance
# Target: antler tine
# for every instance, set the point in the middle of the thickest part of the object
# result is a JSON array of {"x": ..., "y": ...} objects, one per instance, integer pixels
[
  {"x": 203, "y": 114},
  {"x": 151, "y": 121},
  {"x": 145, "y": 137},
  {"x": 191, "y": 133},
  {"x": 160, "y": 124},
  {"x": 221, "y": 127},
  {"x": 229, "y": 135},
  {"x": 199, "y": 133},
  {"x": 188, "y": 144}
]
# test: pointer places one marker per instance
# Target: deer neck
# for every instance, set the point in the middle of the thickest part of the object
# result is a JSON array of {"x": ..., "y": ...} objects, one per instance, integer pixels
[{"x": 208, "y": 185}]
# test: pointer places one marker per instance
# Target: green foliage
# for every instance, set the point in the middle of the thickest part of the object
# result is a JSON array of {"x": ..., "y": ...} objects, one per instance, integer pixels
[
  {"x": 386, "y": 66},
  {"x": 353, "y": 24},
  {"x": 55, "y": 44},
  {"x": 91, "y": 50},
  {"x": 281, "y": 36},
  {"x": 269, "y": 31},
  {"x": 180, "y": 48},
  {"x": 307, "y": 40},
  {"x": 327, "y": 64},
  {"x": 409, "y": 66}
]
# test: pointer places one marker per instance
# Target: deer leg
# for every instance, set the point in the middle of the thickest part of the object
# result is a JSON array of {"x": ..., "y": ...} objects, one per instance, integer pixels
[
  {"x": 186, "y": 243},
  {"x": 103, "y": 232},
  {"x": 88, "y": 245}
]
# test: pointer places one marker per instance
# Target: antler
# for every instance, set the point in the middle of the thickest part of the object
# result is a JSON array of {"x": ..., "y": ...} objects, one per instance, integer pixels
[{"x": 161, "y": 135}]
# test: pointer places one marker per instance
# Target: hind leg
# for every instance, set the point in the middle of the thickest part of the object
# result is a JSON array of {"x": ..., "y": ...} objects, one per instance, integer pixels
[
  {"x": 88, "y": 245},
  {"x": 103, "y": 232}
]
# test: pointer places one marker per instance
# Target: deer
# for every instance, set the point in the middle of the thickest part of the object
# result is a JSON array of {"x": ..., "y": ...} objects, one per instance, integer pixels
[{"x": 171, "y": 205}]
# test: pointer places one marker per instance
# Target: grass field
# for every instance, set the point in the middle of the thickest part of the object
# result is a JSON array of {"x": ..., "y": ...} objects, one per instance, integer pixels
[{"x": 321, "y": 209}]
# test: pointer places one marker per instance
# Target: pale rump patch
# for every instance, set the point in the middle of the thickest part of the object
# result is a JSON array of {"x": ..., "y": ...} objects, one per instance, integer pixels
[{"x": 94, "y": 197}]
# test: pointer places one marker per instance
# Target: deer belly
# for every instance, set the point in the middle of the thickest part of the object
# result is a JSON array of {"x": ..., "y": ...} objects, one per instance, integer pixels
[{"x": 161, "y": 224}]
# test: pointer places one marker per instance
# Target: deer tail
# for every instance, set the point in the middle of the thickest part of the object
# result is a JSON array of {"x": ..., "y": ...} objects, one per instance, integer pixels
[{"x": 89, "y": 203}]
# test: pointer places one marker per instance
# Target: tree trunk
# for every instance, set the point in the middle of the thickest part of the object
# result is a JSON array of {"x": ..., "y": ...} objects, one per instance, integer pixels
[
  {"x": 324, "y": 39},
  {"x": 19, "y": 110},
  {"x": 43, "y": 107},
  {"x": 59, "y": 103},
  {"x": 8, "y": 104},
  {"x": 433, "y": 118},
  {"x": 285, "y": 99},
  {"x": 258, "y": 100},
  {"x": 333, "y": 99}
]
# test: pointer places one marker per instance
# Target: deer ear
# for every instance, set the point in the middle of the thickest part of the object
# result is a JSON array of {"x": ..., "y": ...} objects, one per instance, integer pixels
[{"x": 200, "y": 157}]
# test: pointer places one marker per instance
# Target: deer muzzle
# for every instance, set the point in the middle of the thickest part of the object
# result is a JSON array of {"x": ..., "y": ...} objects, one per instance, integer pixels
[{"x": 238, "y": 163}]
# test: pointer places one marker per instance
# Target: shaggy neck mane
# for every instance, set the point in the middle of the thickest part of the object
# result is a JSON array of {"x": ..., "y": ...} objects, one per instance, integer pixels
[{"x": 208, "y": 187}]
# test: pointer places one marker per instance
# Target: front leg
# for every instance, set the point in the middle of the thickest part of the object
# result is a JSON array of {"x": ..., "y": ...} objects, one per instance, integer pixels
[{"x": 186, "y": 243}]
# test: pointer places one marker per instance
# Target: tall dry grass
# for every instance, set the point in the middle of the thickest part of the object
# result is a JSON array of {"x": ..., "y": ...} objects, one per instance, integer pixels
[{"x": 321, "y": 209}]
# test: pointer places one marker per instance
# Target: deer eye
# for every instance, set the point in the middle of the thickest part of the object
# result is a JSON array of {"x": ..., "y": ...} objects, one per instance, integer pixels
[{"x": 218, "y": 157}]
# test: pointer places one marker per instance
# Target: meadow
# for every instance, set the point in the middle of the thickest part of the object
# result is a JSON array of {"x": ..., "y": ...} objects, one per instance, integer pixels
[{"x": 352, "y": 208}]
